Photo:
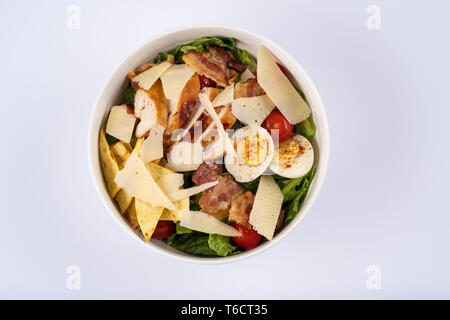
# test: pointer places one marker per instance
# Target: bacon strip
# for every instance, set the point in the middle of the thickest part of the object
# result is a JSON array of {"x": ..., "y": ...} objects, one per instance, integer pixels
[
  {"x": 240, "y": 209},
  {"x": 216, "y": 201},
  {"x": 247, "y": 89},
  {"x": 207, "y": 172},
  {"x": 215, "y": 63}
]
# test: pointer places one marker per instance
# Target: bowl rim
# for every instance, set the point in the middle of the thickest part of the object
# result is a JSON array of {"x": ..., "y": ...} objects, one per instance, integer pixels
[{"x": 312, "y": 94}]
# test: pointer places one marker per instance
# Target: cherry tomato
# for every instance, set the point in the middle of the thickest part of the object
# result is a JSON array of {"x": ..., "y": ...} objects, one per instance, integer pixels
[
  {"x": 163, "y": 229},
  {"x": 249, "y": 238},
  {"x": 283, "y": 69},
  {"x": 276, "y": 121},
  {"x": 206, "y": 82}
]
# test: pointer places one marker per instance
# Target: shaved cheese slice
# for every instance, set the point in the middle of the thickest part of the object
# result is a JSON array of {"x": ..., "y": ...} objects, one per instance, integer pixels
[
  {"x": 252, "y": 110},
  {"x": 279, "y": 88},
  {"x": 267, "y": 206},
  {"x": 173, "y": 81},
  {"x": 152, "y": 147},
  {"x": 247, "y": 74},
  {"x": 135, "y": 179},
  {"x": 147, "y": 78},
  {"x": 120, "y": 123},
  {"x": 203, "y": 222},
  {"x": 210, "y": 109},
  {"x": 170, "y": 182},
  {"x": 183, "y": 193},
  {"x": 225, "y": 97},
  {"x": 185, "y": 156}
]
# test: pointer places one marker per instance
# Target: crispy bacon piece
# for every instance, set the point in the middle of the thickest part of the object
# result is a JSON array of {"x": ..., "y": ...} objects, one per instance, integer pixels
[
  {"x": 215, "y": 63},
  {"x": 186, "y": 104},
  {"x": 240, "y": 209},
  {"x": 216, "y": 201},
  {"x": 249, "y": 88},
  {"x": 207, "y": 172}
]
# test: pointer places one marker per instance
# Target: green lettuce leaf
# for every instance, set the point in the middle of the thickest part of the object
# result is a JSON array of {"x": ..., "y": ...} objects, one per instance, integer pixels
[
  {"x": 194, "y": 202},
  {"x": 251, "y": 185},
  {"x": 128, "y": 94},
  {"x": 244, "y": 57},
  {"x": 306, "y": 128},
  {"x": 179, "y": 229},
  {"x": 202, "y": 44},
  {"x": 297, "y": 193},
  {"x": 221, "y": 245},
  {"x": 193, "y": 243}
]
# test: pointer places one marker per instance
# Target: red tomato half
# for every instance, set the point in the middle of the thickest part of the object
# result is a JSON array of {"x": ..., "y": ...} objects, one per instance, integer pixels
[
  {"x": 249, "y": 238},
  {"x": 206, "y": 82},
  {"x": 276, "y": 121},
  {"x": 163, "y": 229}
]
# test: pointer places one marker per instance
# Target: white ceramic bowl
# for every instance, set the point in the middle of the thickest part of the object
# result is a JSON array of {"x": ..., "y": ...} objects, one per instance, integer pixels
[{"x": 111, "y": 94}]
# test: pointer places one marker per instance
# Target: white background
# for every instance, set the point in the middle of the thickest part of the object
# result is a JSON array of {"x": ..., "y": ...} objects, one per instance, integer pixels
[{"x": 385, "y": 200}]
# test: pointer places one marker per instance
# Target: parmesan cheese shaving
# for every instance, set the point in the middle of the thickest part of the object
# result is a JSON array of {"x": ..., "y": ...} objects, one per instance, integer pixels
[
  {"x": 209, "y": 108},
  {"x": 135, "y": 179},
  {"x": 279, "y": 88},
  {"x": 189, "y": 192},
  {"x": 146, "y": 79},
  {"x": 247, "y": 74},
  {"x": 120, "y": 123},
  {"x": 225, "y": 97},
  {"x": 152, "y": 147},
  {"x": 252, "y": 110},
  {"x": 173, "y": 82},
  {"x": 266, "y": 208},
  {"x": 203, "y": 222}
]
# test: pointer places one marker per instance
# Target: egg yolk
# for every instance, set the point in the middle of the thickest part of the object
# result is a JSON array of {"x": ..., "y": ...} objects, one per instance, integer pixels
[
  {"x": 287, "y": 151},
  {"x": 252, "y": 150}
]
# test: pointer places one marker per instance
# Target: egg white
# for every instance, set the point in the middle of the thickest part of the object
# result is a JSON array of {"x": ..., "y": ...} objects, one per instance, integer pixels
[
  {"x": 241, "y": 171},
  {"x": 300, "y": 165}
]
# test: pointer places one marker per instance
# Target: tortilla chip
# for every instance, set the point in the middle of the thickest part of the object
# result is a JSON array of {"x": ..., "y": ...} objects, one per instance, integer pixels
[
  {"x": 175, "y": 215},
  {"x": 132, "y": 215},
  {"x": 147, "y": 217},
  {"x": 109, "y": 164},
  {"x": 123, "y": 199},
  {"x": 121, "y": 152}
]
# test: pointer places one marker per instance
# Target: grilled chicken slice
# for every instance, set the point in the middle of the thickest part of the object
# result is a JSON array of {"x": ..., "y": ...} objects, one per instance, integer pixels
[
  {"x": 247, "y": 89},
  {"x": 240, "y": 209},
  {"x": 185, "y": 107},
  {"x": 150, "y": 106},
  {"x": 215, "y": 63}
]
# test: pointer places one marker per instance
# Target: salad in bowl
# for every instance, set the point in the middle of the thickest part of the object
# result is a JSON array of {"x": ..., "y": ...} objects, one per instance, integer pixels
[{"x": 211, "y": 150}]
